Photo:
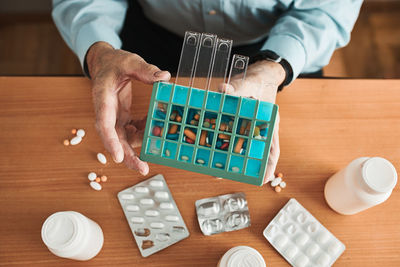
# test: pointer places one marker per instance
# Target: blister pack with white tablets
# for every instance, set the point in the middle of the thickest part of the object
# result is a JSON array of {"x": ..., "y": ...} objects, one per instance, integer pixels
[
  {"x": 223, "y": 213},
  {"x": 152, "y": 215},
  {"x": 301, "y": 239}
]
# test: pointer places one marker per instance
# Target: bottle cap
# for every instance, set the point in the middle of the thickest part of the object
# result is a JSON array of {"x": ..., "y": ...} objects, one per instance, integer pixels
[
  {"x": 242, "y": 256},
  {"x": 379, "y": 175}
]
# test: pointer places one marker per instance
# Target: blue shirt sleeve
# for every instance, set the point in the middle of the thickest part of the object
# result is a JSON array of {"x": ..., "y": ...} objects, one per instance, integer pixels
[
  {"x": 84, "y": 22},
  {"x": 307, "y": 34}
]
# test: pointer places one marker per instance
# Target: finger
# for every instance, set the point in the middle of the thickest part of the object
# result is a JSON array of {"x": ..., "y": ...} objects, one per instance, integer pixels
[
  {"x": 274, "y": 153},
  {"x": 131, "y": 160},
  {"x": 106, "y": 105},
  {"x": 140, "y": 70},
  {"x": 134, "y": 135}
]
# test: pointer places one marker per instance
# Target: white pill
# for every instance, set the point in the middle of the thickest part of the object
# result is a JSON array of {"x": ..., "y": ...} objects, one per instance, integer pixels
[
  {"x": 219, "y": 165},
  {"x": 80, "y": 133},
  {"x": 167, "y": 152},
  {"x": 157, "y": 225},
  {"x": 147, "y": 201},
  {"x": 151, "y": 213},
  {"x": 137, "y": 219},
  {"x": 101, "y": 158},
  {"x": 200, "y": 161},
  {"x": 171, "y": 218},
  {"x": 76, "y": 140},
  {"x": 166, "y": 206},
  {"x": 276, "y": 181},
  {"x": 141, "y": 189},
  {"x": 96, "y": 186},
  {"x": 301, "y": 261},
  {"x": 127, "y": 196},
  {"x": 132, "y": 208},
  {"x": 157, "y": 183},
  {"x": 161, "y": 194},
  {"x": 302, "y": 239},
  {"x": 235, "y": 169},
  {"x": 92, "y": 176},
  {"x": 282, "y": 184},
  {"x": 185, "y": 158}
]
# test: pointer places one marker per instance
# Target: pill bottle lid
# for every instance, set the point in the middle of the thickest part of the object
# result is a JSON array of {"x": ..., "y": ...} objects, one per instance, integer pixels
[
  {"x": 242, "y": 256},
  {"x": 379, "y": 175},
  {"x": 60, "y": 231}
]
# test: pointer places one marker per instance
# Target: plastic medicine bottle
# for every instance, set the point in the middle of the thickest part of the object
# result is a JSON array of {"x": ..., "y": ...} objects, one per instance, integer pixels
[
  {"x": 71, "y": 235},
  {"x": 242, "y": 256},
  {"x": 364, "y": 183}
]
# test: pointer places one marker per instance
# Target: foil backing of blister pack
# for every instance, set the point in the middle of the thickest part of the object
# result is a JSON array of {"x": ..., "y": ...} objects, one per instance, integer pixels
[
  {"x": 152, "y": 215},
  {"x": 223, "y": 213},
  {"x": 301, "y": 239}
]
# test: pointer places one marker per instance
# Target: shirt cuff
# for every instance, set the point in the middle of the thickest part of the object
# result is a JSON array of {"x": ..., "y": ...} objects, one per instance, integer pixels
[
  {"x": 91, "y": 33},
  {"x": 288, "y": 48}
]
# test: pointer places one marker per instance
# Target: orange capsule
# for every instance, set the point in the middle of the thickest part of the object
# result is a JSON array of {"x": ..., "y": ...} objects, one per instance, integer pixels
[
  {"x": 73, "y": 131},
  {"x": 280, "y": 175},
  {"x": 178, "y": 118},
  {"x": 98, "y": 179},
  {"x": 103, "y": 178},
  {"x": 190, "y": 134},
  {"x": 196, "y": 117},
  {"x": 66, "y": 142}
]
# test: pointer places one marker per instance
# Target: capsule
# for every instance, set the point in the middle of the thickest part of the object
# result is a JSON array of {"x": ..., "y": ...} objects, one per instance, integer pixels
[
  {"x": 76, "y": 140},
  {"x": 190, "y": 134},
  {"x": 96, "y": 186},
  {"x": 161, "y": 194},
  {"x": 238, "y": 146},
  {"x": 166, "y": 206}
]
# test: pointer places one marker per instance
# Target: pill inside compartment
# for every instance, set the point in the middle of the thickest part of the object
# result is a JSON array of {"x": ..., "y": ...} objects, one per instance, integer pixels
[
  {"x": 219, "y": 160},
  {"x": 189, "y": 135},
  {"x": 193, "y": 116},
  {"x": 157, "y": 128},
  {"x": 154, "y": 146},
  {"x": 160, "y": 110},
  {"x": 212, "y": 226}
]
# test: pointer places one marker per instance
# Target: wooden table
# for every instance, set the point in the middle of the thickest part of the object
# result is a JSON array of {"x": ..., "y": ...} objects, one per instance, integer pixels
[{"x": 324, "y": 125}]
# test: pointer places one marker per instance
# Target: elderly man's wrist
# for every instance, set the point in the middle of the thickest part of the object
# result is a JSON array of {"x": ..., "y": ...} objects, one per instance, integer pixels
[
  {"x": 94, "y": 53},
  {"x": 274, "y": 71}
]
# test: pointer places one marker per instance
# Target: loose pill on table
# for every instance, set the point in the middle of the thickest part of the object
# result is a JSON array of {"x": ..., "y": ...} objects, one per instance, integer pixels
[
  {"x": 73, "y": 131},
  {"x": 157, "y": 183},
  {"x": 80, "y": 133},
  {"x": 76, "y": 140},
  {"x": 147, "y": 201},
  {"x": 157, "y": 225},
  {"x": 278, "y": 189},
  {"x": 101, "y": 158},
  {"x": 282, "y": 184},
  {"x": 276, "y": 181},
  {"x": 280, "y": 175},
  {"x": 127, "y": 196},
  {"x": 95, "y": 186},
  {"x": 92, "y": 176},
  {"x": 137, "y": 219},
  {"x": 141, "y": 189},
  {"x": 151, "y": 213},
  {"x": 166, "y": 206},
  {"x": 235, "y": 169},
  {"x": 171, "y": 218},
  {"x": 66, "y": 142},
  {"x": 104, "y": 178},
  {"x": 161, "y": 194},
  {"x": 98, "y": 180}
]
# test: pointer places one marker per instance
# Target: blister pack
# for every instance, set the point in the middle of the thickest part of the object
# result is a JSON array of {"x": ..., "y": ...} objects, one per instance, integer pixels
[
  {"x": 301, "y": 239},
  {"x": 152, "y": 215},
  {"x": 223, "y": 213}
]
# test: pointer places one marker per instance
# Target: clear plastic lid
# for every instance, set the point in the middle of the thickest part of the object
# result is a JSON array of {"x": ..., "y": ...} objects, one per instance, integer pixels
[{"x": 379, "y": 175}]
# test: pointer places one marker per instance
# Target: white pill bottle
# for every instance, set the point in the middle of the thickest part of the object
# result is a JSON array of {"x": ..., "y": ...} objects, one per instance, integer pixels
[
  {"x": 69, "y": 234},
  {"x": 242, "y": 256},
  {"x": 364, "y": 183}
]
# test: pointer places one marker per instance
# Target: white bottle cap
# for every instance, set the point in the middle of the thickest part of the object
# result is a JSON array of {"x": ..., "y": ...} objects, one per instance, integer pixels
[
  {"x": 379, "y": 175},
  {"x": 61, "y": 232},
  {"x": 242, "y": 256}
]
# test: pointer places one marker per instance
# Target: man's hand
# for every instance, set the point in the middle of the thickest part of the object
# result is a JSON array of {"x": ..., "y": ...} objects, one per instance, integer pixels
[
  {"x": 261, "y": 82},
  {"x": 111, "y": 72}
]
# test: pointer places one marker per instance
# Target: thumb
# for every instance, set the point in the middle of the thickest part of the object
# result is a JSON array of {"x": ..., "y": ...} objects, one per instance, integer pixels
[{"x": 142, "y": 71}]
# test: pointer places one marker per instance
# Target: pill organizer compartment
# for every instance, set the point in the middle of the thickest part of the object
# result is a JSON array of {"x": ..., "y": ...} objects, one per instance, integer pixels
[
  {"x": 152, "y": 215},
  {"x": 230, "y": 135},
  {"x": 301, "y": 239}
]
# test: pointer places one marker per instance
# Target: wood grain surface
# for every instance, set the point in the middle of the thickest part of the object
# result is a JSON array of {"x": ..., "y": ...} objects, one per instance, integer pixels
[{"x": 324, "y": 125}]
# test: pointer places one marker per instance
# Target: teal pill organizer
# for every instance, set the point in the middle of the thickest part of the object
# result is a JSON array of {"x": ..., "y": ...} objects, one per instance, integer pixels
[{"x": 205, "y": 131}]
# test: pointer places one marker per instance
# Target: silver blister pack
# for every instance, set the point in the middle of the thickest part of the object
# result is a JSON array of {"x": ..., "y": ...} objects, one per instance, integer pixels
[
  {"x": 223, "y": 213},
  {"x": 301, "y": 239},
  {"x": 152, "y": 215}
]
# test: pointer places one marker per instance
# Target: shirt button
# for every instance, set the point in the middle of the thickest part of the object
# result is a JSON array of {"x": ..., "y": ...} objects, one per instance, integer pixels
[{"x": 212, "y": 12}]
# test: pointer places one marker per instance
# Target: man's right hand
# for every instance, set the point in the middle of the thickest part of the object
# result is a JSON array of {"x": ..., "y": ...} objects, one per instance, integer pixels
[{"x": 111, "y": 71}]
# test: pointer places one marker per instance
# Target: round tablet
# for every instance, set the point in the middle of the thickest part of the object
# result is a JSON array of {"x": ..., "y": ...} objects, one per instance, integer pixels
[
  {"x": 80, "y": 133},
  {"x": 92, "y": 176}
]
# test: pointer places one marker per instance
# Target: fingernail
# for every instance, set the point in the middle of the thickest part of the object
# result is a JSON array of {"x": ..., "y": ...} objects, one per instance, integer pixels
[
  {"x": 158, "y": 73},
  {"x": 144, "y": 168},
  {"x": 118, "y": 158}
]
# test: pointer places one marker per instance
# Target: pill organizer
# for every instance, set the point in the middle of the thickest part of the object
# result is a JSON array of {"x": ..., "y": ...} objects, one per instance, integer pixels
[
  {"x": 193, "y": 127},
  {"x": 152, "y": 215},
  {"x": 223, "y": 213},
  {"x": 301, "y": 239}
]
